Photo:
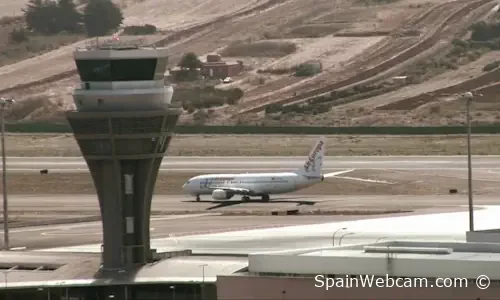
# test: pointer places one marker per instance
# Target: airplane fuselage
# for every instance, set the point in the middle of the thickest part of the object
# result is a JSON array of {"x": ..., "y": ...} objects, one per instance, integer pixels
[{"x": 258, "y": 183}]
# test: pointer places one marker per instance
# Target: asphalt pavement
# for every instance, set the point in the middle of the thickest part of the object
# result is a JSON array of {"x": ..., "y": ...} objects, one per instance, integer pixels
[
  {"x": 206, "y": 215},
  {"x": 263, "y": 163}
]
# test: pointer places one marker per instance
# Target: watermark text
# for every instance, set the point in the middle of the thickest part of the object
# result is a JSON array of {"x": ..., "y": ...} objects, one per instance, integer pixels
[{"x": 321, "y": 281}]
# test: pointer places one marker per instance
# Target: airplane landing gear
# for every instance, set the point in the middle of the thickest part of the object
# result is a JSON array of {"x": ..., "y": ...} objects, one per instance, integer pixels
[
  {"x": 245, "y": 198},
  {"x": 265, "y": 198},
  {"x": 197, "y": 197}
]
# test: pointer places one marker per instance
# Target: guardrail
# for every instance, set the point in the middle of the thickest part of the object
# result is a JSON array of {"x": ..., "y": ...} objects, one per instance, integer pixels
[{"x": 310, "y": 130}]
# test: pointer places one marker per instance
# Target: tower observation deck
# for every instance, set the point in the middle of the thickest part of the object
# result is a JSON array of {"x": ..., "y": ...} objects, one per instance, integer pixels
[{"x": 123, "y": 124}]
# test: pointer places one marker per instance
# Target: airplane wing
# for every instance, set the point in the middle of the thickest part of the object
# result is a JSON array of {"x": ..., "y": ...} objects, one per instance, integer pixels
[
  {"x": 335, "y": 175},
  {"x": 236, "y": 190}
]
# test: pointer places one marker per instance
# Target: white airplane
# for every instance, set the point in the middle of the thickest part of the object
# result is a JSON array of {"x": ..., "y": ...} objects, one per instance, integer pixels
[{"x": 225, "y": 186}]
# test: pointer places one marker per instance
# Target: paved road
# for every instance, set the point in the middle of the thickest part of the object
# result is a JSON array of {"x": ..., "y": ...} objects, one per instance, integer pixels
[
  {"x": 39, "y": 237},
  {"x": 194, "y": 164},
  {"x": 207, "y": 218},
  {"x": 441, "y": 226},
  {"x": 84, "y": 205}
]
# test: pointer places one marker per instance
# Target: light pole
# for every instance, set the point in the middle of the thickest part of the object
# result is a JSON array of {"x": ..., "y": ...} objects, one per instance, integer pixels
[
  {"x": 173, "y": 291},
  {"x": 3, "y": 103},
  {"x": 340, "y": 240},
  {"x": 469, "y": 97},
  {"x": 334, "y": 233},
  {"x": 203, "y": 280}
]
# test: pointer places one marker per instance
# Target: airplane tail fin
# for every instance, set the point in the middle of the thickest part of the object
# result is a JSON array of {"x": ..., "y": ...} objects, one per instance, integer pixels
[{"x": 312, "y": 166}]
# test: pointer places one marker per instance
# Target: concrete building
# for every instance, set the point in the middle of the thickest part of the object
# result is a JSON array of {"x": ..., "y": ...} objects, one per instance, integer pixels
[
  {"x": 252, "y": 265},
  {"x": 123, "y": 126},
  {"x": 396, "y": 269},
  {"x": 215, "y": 67},
  {"x": 72, "y": 276}
]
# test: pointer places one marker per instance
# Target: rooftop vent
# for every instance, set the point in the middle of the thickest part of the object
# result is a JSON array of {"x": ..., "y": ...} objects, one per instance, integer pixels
[{"x": 409, "y": 250}]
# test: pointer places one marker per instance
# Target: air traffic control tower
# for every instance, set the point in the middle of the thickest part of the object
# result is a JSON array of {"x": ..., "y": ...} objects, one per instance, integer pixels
[{"x": 123, "y": 124}]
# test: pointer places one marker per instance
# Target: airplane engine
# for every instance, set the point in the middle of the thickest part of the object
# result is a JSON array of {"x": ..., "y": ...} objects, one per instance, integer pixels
[{"x": 222, "y": 194}]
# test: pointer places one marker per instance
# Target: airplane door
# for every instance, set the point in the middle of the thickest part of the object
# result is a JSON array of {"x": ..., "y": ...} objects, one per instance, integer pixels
[{"x": 276, "y": 185}]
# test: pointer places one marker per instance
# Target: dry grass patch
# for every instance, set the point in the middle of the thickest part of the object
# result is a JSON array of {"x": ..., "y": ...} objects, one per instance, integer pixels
[
  {"x": 170, "y": 183},
  {"x": 34, "y": 46},
  {"x": 373, "y": 2},
  {"x": 38, "y": 108},
  {"x": 314, "y": 31},
  {"x": 271, "y": 145},
  {"x": 259, "y": 49}
]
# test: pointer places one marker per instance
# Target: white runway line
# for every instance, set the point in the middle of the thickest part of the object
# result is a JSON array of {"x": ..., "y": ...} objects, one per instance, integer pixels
[
  {"x": 18, "y": 248},
  {"x": 365, "y": 180}
]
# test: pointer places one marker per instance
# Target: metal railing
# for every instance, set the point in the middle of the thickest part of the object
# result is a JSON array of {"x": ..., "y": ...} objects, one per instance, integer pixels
[{"x": 113, "y": 43}]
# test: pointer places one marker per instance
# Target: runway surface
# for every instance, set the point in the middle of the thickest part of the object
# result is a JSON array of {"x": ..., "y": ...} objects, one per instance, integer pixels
[
  {"x": 206, "y": 216},
  {"x": 263, "y": 163},
  {"x": 88, "y": 204},
  {"x": 441, "y": 226}
]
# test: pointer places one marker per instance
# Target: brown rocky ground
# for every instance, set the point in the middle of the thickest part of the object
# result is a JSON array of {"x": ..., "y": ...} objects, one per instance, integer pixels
[
  {"x": 291, "y": 19},
  {"x": 271, "y": 145}
]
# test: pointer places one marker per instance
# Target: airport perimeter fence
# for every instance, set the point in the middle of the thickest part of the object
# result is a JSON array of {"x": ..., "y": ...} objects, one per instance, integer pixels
[{"x": 310, "y": 130}]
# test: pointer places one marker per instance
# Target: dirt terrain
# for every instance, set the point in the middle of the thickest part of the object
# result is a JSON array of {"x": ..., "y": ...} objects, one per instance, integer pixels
[
  {"x": 271, "y": 145},
  {"x": 59, "y": 65},
  {"x": 436, "y": 32},
  {"x": 356, "y": 40},
  {"x": 408, "y": 183}
]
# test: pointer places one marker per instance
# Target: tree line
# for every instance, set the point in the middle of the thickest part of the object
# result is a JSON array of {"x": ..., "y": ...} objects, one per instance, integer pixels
[{"x": 94, "y": 17}]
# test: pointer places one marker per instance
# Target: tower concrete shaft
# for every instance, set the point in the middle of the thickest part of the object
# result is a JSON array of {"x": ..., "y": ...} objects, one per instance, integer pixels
[{"x": 123, "y": 151}]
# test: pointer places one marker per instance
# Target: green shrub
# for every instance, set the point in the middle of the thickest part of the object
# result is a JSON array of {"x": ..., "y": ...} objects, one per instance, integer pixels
[
  {"x": 140, "y": 30},
  {"x": 460, "y": 43},
  {"x": 18, "y": 35},
  {"x": 307, "y": 69},
  {"x": 260, "y": 49},
  {"x": 277, "y": 71},
  {"x": 273, "y": 108},
  {"x": 491, "y": 66},
  {"x": 206, "y": 97},
  {"x": 483, "y": 31}
]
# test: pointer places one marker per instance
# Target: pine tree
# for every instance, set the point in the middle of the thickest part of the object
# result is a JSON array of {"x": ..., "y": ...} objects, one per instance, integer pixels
[
  {"x": 32, "y": 14},
  {"x": 101, "y": 16},
  {"x": 190, "y": 61},
  {"x": 69, "y": 18},
  {"x": 45, "y": 16},
  {"x": 50, "y": 18}
]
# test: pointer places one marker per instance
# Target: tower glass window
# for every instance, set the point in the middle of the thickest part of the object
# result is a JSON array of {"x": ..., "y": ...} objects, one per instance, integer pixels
[{"x": 116, "y": 69}]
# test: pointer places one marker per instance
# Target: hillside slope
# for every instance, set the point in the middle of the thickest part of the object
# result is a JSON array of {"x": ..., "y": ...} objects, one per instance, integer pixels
[
  {"x": 435, "y": 27},
  {"x": 349, "y": 36}
]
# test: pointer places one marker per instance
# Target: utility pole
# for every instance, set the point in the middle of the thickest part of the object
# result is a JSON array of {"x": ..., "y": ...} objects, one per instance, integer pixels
[
  {"x": 202, "y": 291},
  {"x": 469, "y": 97},
  {"x": 3, "y": 103}
]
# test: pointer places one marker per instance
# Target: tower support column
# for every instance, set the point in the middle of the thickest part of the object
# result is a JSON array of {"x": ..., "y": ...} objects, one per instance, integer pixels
[{"x": 124, "y": 151}]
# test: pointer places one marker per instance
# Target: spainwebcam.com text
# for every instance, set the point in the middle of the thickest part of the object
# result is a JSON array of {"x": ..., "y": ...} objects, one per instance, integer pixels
[{"x": 321, "y": 281}]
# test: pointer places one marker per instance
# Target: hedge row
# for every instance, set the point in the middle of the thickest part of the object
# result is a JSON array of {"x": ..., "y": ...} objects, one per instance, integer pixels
[{"x": 194, "y": 129}]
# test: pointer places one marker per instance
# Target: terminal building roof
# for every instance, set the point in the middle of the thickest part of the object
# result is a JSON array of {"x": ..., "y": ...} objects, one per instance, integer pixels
[
  {"x": 30, "y": 269},
  {"x": 394, "y": 258}
]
